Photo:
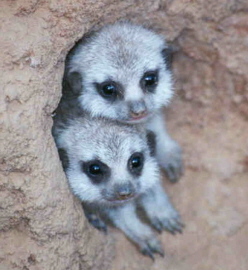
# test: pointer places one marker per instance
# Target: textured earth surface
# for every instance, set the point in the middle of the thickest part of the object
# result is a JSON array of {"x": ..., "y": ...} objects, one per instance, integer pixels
[{"x": 41, "y": 223}]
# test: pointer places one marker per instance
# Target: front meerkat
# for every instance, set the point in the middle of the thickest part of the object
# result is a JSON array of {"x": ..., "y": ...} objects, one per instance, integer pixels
[
  {"x": 122, "y": 72},
  {"x": 110, "y": 167}
]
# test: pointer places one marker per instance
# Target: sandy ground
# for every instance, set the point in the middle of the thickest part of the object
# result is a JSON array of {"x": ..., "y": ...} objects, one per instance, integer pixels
[
  {"x": 211, "y": 196},
  {"x": 41, "y": 223}
]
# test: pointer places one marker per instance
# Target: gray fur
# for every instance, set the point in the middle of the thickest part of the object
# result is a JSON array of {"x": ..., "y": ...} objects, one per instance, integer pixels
[
  {"x": 84, "y": 138},
  {"x": 89, "y": 127},
  {"x": 117, "y": 196},
  {"x": 123, "y": 53}
]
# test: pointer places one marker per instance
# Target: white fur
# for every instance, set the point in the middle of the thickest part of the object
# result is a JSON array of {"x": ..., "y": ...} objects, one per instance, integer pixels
[
  {"x": 155, "y": 200},
  {"x": 126, "y": 219},
  {"x": 86, "y": 138},
  {"x": 123, "y": 52}
]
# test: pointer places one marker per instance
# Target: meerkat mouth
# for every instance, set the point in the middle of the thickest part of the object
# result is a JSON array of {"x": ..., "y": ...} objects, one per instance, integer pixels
[
  {"x": 139, "y": 119},
  {"x": 121, "y": 201}
]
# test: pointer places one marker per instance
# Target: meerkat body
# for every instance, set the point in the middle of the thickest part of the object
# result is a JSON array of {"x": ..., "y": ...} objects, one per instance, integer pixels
[
  {"x": 111, "y": 168},
  {"x": 122, "y": 73}
]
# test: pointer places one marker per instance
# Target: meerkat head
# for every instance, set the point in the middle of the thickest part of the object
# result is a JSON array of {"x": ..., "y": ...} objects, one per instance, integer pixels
[
  {"x": 121, "y": 72},
  {"x": 106, "y": 162}
]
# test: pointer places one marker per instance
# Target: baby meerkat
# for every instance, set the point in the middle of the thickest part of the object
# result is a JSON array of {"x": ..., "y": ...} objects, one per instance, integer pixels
[
  {"x": 110, "y": 167},
  {"x": 122, "y": 72}
]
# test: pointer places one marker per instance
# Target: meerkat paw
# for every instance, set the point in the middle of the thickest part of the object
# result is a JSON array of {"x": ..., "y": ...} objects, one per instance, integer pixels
[
  {"x": 160, "y": 211},
  {"x": 94, "y": 219},
  {"x": 168, "y": 220},
  {"x": 171, "y": 161},
  {"x": 96, "y": 222},
  {"x": 125, "y": 218},
  {"x": 150, "y": 247}
]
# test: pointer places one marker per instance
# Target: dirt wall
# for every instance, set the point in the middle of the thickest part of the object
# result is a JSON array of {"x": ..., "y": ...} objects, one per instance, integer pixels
[{"x": 41, "y": 223}]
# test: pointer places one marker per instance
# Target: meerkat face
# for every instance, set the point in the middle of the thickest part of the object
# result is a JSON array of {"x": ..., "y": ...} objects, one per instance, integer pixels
[
  {"x": 121, "y": 73},
  {"x": 106, "y": 163}
]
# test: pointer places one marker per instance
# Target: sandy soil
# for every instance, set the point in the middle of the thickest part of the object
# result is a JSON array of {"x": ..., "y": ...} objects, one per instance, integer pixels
[{"x": 41, "y": 222}]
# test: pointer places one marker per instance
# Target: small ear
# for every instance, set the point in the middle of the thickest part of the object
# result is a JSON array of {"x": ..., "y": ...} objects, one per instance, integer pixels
[
  {"x": 63, "y": 158},
  {"x": 151, "y": 141},
  {"x": 74, "y": 80},
  {"x": 168, "y": 54}
]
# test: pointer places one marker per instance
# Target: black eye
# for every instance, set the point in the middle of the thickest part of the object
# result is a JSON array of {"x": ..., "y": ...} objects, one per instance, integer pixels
[
  {"x": 135, "y": 163},
  {"x": 149, "y": 81},
  {"x": 108, "y": 90},
  {"x": 96, "y": 170}
]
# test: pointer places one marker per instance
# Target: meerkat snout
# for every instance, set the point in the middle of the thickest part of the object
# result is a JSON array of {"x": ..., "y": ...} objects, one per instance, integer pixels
[
  {"x": 137, "y": 109},
  {"x": 125, "y": 191}
]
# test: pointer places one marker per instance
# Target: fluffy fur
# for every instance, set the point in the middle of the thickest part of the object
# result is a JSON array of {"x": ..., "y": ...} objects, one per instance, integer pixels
[
  {"x": 125, "y": 55},
  {"x": 81, "y": 139},
  {"x": 108, "y": 128},
  {"x": 84, "y": 138}
]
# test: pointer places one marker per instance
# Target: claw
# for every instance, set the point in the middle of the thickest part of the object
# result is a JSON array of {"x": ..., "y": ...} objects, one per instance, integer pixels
[
  {"x": 168, "y": 227},
  {"x": 178, "y": 227},
  {"x": 179, "y": 230},
  {"x": 170, "y": 231},
  {"x": 147, "y": 252},
  {"x": 158, "y": 250},
  {"x": 152, "y": 246},
  {"x": 157, "y": 225},
  {"x": 161, "y": 253}
]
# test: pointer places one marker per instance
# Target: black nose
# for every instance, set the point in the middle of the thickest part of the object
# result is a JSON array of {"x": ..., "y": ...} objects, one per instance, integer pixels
[
  {"x": 137, "y": 108},
  {"x": 124, "y": 191}
]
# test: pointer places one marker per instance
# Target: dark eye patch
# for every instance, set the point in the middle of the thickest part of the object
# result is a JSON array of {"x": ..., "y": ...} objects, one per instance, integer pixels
[
  {"x": 149, "y": 81},
  {"x": 110, "y": 90},
  {"x": 136, "y": 163},
  {"x": 96, "y": 170}
]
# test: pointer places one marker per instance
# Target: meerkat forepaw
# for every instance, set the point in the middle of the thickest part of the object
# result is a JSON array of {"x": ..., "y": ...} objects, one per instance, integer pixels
[
  {"x": 172, "y": 163},
  {"x": 171, "y": 223},
  {"x": 174, "y": 170},
  {"x": 173, "y": 226},
  {"x": 150, "y": 247},
  {"x": 96, "y": 222}
]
